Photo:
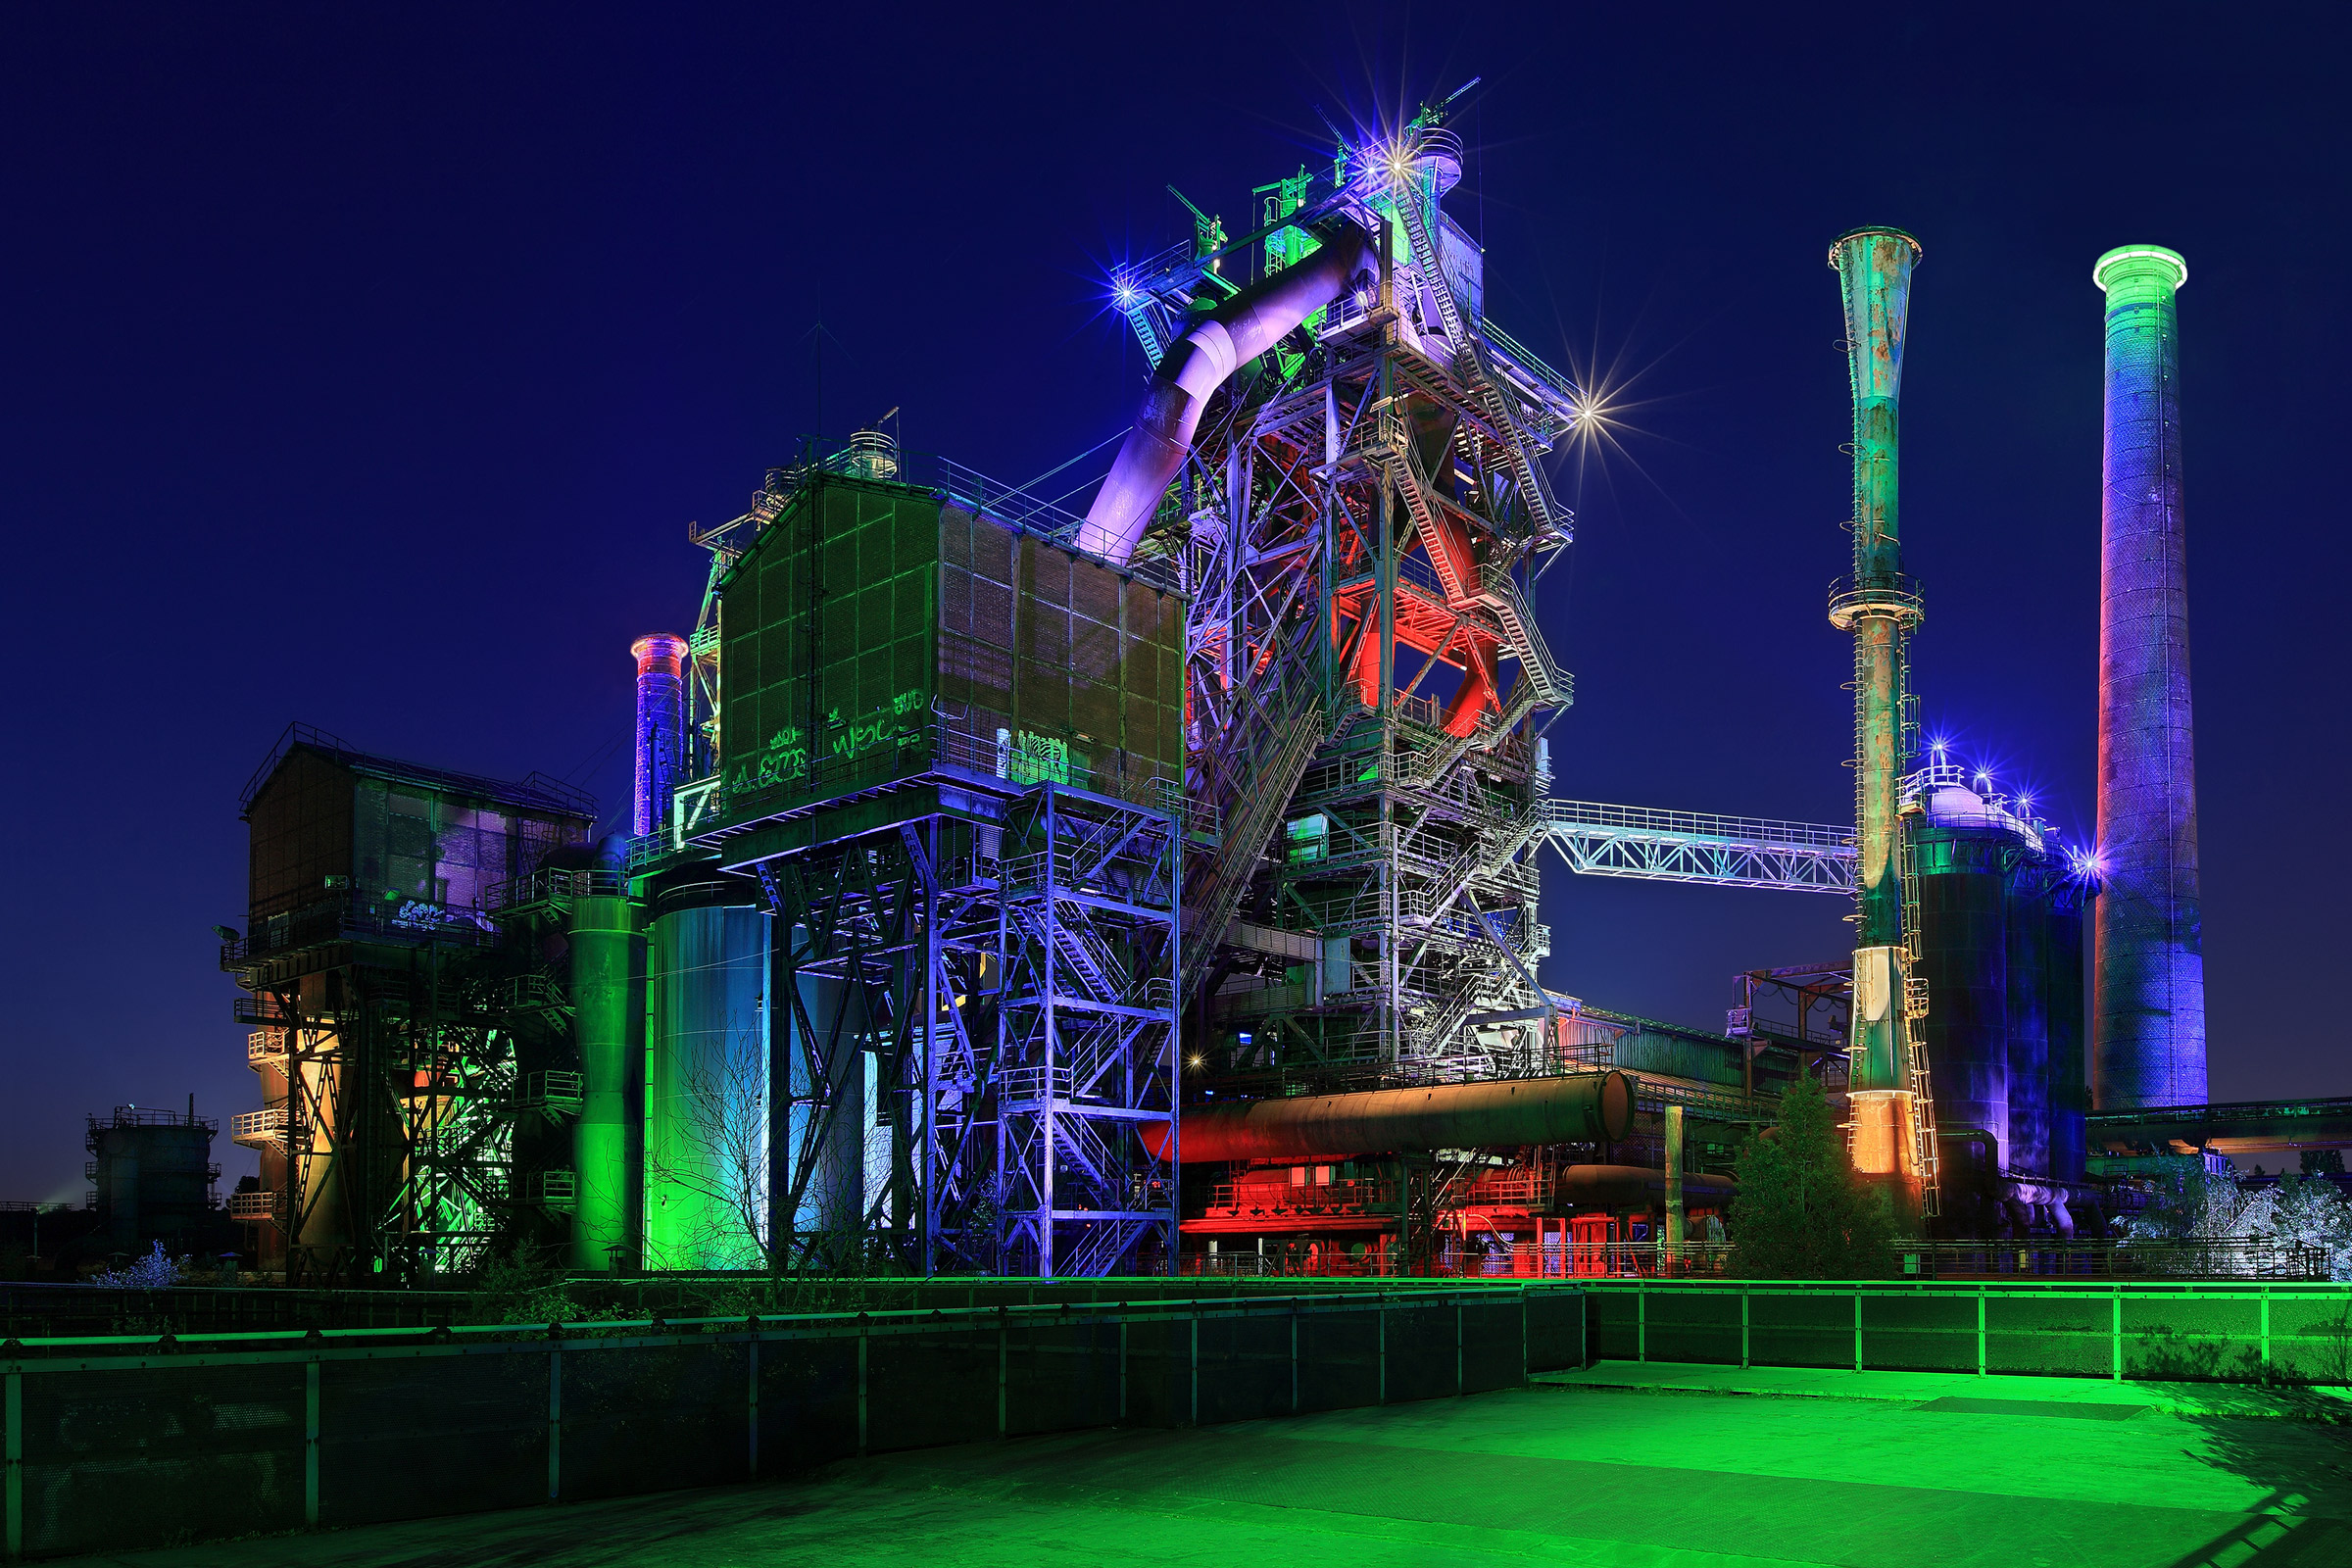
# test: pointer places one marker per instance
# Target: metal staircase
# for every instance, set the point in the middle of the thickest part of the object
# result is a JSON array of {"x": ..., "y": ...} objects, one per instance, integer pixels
[{"x": 1293, "y": 733}]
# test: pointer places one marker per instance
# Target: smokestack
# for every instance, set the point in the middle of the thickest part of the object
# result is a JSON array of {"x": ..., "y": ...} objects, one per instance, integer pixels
[
  {"x": 1893, "y": 1135},
  {"x": 2148, "y": 1007},
  {"x": 661, "y": 727}
]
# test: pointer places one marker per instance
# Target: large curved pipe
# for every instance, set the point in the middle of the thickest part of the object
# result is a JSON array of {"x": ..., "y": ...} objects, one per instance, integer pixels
[
  {"x": 1226, "y": 339},
  {"x": 1497, "y": 1113}
]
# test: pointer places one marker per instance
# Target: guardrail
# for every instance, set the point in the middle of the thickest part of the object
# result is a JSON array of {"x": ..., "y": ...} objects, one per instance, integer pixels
[
  {"x": 2237, "y": 1332},
  {"x": 117, "y": 1444}
]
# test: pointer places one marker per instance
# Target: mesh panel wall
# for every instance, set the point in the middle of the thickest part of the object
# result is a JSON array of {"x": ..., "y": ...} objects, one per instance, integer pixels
[
  {"x": 2311, "y": 1337},
  {"x": 938, "y": 1385},
  {"x": 1423, "y": 1349},
  {"x": 134, "y": 1458},
  {"x": 1339, "y": 1359},
  {"x": 466, "y": 1432},
  {"x": 1494, "y": 1333},
  {"x": 1693, "y": 1328},
  {"x": 650, "y": 1418},
  {"x": 1244, "y": 1368},
  {"x": 1794, "y": 1330},
  {"x": 808, "y": 1404},
  {"x": 1159, "y": 1361},
  {"x": 2033, "y": 1334},
  {"x": 1612, "y": 1325},
  {"x": 1061, "y": 1375},
  {"x": 1555, "y": 1329},
  {"x": 2211, "y": 1332},
  {"x": 2176, "y": 1338},
  {"x": 1920, "y": 1333}
]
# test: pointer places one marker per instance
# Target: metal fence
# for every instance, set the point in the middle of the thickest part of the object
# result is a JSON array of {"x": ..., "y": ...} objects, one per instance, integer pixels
[
  {"x": 115, "y": 1444},
  {"x": 2249, "y": 1332},
  {"x": 2032, "y": 1258}
]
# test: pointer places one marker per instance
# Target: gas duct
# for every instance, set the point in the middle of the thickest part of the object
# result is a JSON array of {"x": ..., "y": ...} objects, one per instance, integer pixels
[
  {"x": 1880, "y": 607},
  {"x": 2148, "y": 1015}
]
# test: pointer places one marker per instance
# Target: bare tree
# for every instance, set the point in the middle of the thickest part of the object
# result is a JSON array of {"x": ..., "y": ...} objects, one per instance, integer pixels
[{"x": 715, "y": 1159}]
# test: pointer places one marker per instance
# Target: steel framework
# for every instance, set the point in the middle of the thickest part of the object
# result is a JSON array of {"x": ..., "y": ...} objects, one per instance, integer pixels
[
  {"x": 1359, "y": 521},
  {"x": 979, "y": 1052}
]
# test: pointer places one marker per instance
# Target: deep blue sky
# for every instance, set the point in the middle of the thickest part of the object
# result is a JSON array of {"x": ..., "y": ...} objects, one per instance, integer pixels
[{"x": 366, "y": 364}]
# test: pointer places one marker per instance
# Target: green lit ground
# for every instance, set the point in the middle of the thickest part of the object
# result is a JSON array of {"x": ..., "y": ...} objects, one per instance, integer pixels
[{"x": 1615, "y": 1467}]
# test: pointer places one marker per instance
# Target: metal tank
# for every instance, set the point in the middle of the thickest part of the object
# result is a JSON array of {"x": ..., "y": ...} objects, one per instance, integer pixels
[
  {"x": 608, "y": 969},
  {"x": 2148, "y": 1037},
  {"x": 153, "y": 1174},
  {"x": 707, "y": 1072},
  {"x": 2001, "y": 946},
  {"x": 1964, "y": 955}
]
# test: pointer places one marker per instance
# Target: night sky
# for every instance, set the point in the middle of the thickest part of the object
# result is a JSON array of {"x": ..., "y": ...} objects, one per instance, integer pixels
[{"x": 364, "y": 365}]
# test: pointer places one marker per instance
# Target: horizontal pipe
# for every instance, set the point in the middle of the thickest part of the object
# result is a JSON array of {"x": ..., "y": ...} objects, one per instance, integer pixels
[{"x": 1499, "y": 1113}]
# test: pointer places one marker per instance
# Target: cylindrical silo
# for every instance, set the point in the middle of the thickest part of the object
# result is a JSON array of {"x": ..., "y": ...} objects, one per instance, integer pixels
[
  {"x": 2148, "y": 1012},
  {"x": 661, "y": 727},
  {"x": 706, "y": 1201},
  {"x": 1964, "y": 957},
  {"x": 608, "y": 969}
]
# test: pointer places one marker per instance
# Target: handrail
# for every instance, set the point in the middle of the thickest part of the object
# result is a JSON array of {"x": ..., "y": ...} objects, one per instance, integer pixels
[{"x": 1573, "y": 815}]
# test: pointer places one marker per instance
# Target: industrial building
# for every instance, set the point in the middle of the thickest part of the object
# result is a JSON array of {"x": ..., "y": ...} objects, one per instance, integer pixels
[{"x": 1017, "y": 892}]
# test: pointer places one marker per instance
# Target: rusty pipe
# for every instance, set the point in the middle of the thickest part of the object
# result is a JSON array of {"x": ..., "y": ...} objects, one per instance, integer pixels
[{"x": 1497, "y": 1113}]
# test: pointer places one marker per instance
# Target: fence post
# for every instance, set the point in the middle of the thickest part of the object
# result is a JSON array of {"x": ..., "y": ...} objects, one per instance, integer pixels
[
  {"x": 1641, "y": 1322},
  {"x": 1122, "y": 1370},
  {"x": 309, "y": 1443},
  {"x": 1380, "y": 1315},
  {"x": 2116, "y": 1332},
  {"x": 1980, "y": 1331},
  {"x": 1196, "y": 1416},
  {"x": 752, "y": 1402},
  {"x": 1743, "y": 1328},
  {"x": 554, "y": 1419},
  {"x": 1458, "y": 1379},
  {"x": 862, "y": 1324},
  {"x": 1003, "y": 1375},
  {"x": 1857, "y": 1328},
  {"x": 1293, "y": 1356},
  {"x": 16, "y": 1462},
  {"x": 2266, "y": 1325},
  {"x": 1523, "y": 1357}
]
